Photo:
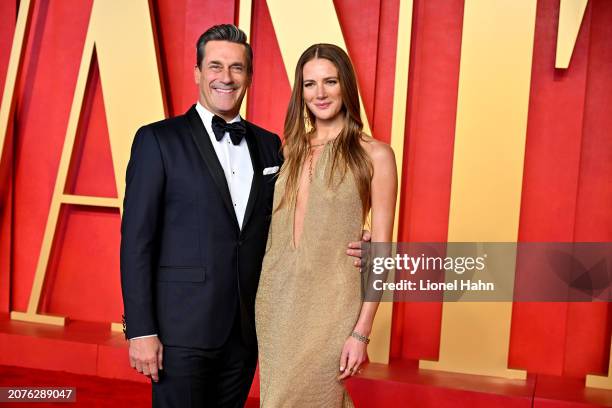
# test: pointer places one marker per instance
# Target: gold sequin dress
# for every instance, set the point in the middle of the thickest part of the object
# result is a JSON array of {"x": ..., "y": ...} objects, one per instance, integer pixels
[{"x": 309, "y": 297}]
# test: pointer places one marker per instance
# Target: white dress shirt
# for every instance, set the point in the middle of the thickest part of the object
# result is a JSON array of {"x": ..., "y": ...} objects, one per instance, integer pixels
[
  {"x": 237, "y": 166},
  {"x": 236, "y": 163}
]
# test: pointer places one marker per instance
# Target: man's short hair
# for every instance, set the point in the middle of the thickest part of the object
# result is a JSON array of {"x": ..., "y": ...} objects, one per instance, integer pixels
[{"x": 224, "y": 32}]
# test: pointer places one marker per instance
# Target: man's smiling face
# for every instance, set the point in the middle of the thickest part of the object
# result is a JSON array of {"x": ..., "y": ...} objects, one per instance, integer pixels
[{"x": 223, "y": 78}]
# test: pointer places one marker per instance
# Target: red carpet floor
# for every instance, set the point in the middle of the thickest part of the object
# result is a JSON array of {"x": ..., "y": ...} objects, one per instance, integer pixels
[{"x": 91, "y": 391}]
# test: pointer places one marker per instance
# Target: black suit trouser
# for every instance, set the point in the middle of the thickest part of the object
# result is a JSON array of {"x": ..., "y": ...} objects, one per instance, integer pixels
[{"x": 202, "y": 378}]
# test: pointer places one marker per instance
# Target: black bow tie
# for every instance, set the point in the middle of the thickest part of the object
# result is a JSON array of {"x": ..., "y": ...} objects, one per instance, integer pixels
[{"x": 236, "y": 130}]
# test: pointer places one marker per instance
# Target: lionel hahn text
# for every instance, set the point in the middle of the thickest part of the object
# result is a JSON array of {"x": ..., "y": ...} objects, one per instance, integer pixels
[{"x": 455, "y": 285}]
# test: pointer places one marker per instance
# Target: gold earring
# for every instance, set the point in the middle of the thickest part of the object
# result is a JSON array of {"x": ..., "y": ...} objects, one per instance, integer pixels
[{"x": 307, "y": 123}]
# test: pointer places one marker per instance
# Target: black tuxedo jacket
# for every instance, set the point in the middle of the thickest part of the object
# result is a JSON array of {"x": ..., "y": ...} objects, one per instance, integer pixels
[{"x": 187, "y": 269}]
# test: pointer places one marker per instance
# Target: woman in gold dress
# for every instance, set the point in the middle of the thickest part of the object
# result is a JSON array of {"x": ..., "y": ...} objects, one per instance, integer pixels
[{"x": 312, "y": 322}]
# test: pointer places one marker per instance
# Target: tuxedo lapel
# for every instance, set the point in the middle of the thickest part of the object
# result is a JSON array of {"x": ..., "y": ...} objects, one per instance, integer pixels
[
  {"x": 207, "y": 151},
  {"x": 251, "y": 139}
]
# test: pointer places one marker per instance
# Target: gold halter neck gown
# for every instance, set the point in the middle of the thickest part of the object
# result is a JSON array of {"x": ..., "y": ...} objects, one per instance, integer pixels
[{"x": 309, "y": 297}]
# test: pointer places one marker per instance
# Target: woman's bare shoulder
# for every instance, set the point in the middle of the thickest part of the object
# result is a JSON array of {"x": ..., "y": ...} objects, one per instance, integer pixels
[{"x": 377, "y": 150}]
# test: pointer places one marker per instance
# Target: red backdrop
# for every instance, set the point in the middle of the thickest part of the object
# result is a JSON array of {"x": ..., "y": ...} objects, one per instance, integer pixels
[{"x": 567, "y": 187}]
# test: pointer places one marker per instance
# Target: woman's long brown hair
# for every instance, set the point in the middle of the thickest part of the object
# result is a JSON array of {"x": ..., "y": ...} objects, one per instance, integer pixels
[{"x": 348, "y": 154}]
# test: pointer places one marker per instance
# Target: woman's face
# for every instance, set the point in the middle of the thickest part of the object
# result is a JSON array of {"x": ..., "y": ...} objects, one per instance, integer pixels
[{"x": 321, "y": 89}]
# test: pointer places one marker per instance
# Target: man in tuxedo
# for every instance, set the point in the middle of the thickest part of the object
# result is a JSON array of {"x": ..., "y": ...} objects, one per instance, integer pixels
[{"x": 196, "y": 215}]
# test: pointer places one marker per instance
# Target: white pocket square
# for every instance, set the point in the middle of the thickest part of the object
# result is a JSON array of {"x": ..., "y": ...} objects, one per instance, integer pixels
[{"x": 270, "y": 170}]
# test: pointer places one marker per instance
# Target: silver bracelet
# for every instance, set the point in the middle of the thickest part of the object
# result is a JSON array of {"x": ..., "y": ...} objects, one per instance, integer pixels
[{"x": 360, "y": 337}]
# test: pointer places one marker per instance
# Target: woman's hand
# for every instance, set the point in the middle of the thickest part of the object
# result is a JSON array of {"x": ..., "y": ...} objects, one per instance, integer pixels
[{"x": 354, "y": 353}]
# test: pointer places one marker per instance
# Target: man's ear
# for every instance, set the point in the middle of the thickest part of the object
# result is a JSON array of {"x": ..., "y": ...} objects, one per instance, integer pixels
[{"x": 197, "y": 72}]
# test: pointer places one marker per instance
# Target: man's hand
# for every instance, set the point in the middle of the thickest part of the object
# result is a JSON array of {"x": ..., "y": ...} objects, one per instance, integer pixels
[
  {"x": 354, "y": 248},
  {"x": 146, "y": 354}
]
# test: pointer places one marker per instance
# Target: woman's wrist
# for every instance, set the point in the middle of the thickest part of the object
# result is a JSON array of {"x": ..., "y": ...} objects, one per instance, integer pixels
[
  {"x": 363, "y": 329},
  {"x": 360, "y": 337}
]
